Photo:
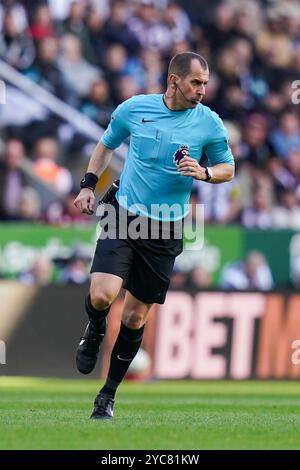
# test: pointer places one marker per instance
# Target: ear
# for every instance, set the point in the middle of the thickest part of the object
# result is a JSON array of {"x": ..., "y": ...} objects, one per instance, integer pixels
[{"x": 171, "y": 79}]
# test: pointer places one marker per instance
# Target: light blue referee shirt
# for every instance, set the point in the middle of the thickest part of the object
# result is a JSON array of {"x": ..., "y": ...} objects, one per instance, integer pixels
[{"x": 159, "y": 138}]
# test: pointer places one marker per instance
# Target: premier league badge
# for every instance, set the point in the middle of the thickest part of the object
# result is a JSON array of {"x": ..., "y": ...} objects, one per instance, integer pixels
[{"x": 182, "y": 152}]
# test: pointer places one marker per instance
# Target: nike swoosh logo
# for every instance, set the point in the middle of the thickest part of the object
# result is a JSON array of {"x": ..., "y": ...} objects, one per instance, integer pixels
[
  {"x": 148, "y": 120},
  {"x": 123, "y": 359}
]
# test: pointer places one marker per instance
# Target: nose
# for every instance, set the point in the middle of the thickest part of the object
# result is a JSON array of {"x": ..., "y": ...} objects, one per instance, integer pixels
[{"x": 201, "y": 90}]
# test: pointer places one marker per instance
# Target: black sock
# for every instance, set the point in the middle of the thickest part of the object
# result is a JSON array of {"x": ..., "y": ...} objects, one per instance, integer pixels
[
  {"x": 96, "y": 317},
  {"x": 126, "y": 347}
]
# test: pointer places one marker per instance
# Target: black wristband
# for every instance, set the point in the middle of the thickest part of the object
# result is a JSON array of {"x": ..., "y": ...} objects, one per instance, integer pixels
[{"x": 89, "y": 181}]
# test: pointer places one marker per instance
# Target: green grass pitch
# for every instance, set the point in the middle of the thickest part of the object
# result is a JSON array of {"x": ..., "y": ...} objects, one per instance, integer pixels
[{"x": 54, "y": 414}]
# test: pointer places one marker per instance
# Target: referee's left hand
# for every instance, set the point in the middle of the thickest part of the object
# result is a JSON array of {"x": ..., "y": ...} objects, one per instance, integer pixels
[{"x": 190, "y": 167}]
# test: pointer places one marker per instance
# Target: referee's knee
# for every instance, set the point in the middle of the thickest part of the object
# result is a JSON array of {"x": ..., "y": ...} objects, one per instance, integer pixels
[
  {"x": 134, "y": 320},
  {"x": 101, "y": 300}
]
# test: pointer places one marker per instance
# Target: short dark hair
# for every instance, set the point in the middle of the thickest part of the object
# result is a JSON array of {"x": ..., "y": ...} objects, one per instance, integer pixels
[{"x": 181, "y": 63}]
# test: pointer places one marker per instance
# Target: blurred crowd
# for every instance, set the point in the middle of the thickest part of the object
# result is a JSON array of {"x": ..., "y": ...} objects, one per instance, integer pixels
[
  {"x": 251, "y": 273},
  {"x": 94, "y": 54}
]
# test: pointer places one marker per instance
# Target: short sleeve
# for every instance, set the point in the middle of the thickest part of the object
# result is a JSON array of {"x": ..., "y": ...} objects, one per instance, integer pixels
[
  {"x": 217, "y": 147},
  {"x": 118, "y": 128}
]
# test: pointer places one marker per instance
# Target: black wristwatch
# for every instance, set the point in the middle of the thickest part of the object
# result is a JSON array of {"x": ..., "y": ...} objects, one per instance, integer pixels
[{"x": 209, "y": 173}]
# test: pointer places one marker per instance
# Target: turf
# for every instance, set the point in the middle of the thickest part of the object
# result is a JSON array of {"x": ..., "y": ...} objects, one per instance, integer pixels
[{"x": 54, "y": 414}]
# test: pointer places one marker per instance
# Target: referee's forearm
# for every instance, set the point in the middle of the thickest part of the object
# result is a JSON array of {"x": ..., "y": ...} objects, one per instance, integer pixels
[
  {"x": 100, "y": 159},
  {"x": 222, "y": 172}
]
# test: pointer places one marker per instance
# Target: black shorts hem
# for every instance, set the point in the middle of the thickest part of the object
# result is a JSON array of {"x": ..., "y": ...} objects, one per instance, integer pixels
[
  {"x": 144, "y": 300},
  {"x": 104, "y": 271}
]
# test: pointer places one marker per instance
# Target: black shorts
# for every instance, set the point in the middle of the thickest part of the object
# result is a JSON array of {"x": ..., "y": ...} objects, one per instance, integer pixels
[{"x": 145, "y": 265}]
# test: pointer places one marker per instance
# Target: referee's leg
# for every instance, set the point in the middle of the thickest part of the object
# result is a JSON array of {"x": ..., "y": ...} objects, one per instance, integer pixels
[
  {"x": 134, "y": 317},
  {"x": 103, "y": 291}
]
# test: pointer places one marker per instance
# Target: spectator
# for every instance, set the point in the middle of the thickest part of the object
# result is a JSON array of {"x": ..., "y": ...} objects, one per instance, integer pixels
[
  {"x": 117, "y": 31},
  {"x": 252, "y": 273},
  {"x": 293, "y": 169},
  {"x": 97, "y": 105},
  {"x": 177, "y": 22},
  {"x": 147, "y": 25},
  {"x": 18, "y": 11},
  {"x": 45, "y": 71},
  {"x": 42, "y": 24},
  {"x": 127, "y": 88},
  {"x": 248, "y": 19},
  {"x": 287, "y": 213},
  {"x": 287, "y": 136},
  {"x": 259, "y": 214},
  {"x": 116, "y": 60},
  {"x": 200, "y": 278},
  {"x": 95, "y": 22},
  {"x": 59, "y": 9},
  {"x": 286, "y": 175},
  {"x": 30, "y": 205},
  {"x": 178, "y": 280},
  {"x": 46, "y": 168},
  {"x": 220, "y": 30},
  {"x": 12, "y": 181},
  {"x": 41, "y": 272},
  {"x": 72, "y": 66},
  {"x": 255, "y": 146},
  {"x": 220, "y": 202},
  {"x": 75, "y": 25},
  {"x": 273, "y": 43},
  {"x": 76, "y": 271},
  {"x": 16, "y": 46},
  {"x": 152, "y": 67}
]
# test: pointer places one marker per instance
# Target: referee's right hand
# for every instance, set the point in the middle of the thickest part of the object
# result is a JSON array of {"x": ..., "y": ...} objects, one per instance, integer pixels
[{"x": 85, "y": 201}]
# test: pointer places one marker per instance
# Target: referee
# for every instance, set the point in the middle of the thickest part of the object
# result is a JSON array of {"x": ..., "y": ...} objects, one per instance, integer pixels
[{"x": 168, "y": 134}]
